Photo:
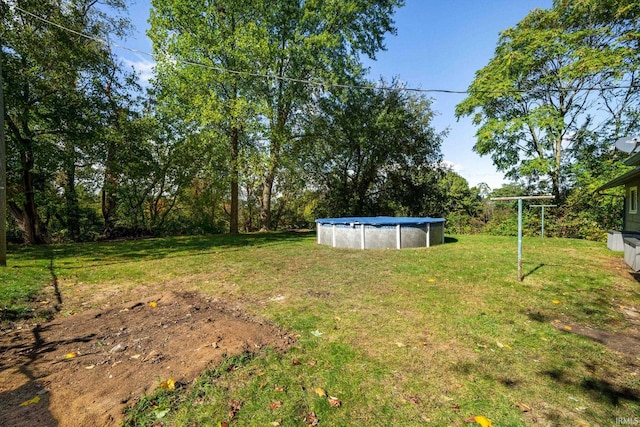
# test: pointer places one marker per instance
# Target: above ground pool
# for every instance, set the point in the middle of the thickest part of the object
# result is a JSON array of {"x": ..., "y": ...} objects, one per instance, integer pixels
[{"x": 380, "y": 232}]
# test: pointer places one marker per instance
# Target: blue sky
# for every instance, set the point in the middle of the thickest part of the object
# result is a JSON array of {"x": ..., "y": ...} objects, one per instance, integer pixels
[{"x": 439, "y": 45}]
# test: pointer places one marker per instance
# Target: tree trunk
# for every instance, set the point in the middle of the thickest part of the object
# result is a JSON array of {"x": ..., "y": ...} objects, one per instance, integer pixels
[
  {"x": 108, "y": 193},
  {"x": 70, "y": 194},
  {"x": 265, "y": 201},
  {"x": 34, "y": 230},
  {"x": 233, "y": 221}
]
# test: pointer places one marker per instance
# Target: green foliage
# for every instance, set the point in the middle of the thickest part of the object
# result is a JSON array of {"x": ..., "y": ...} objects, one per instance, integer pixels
[
  {"x": 532, "y": 101},
  {"x": 374, "y": 153}
]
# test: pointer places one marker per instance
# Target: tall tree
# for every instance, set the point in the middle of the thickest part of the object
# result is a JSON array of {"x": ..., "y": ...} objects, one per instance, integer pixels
[
  {"x": 374, "y": 152},
  {"x": 548, "y": 82},
  {"x": 247, "y": 65},
  {"x": 308, "y": 41},
  {"x": 48, "y": 70},
  {"x": 195, "y": 44}
]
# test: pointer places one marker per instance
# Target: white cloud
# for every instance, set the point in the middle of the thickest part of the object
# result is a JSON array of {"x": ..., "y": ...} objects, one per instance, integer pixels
[
  {"x": 144, "y": 69},
  {"x": 448, "y": 164}
]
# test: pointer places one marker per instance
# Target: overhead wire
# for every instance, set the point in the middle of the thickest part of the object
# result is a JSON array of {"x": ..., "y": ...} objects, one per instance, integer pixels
[{"x": 323, "y": 85}]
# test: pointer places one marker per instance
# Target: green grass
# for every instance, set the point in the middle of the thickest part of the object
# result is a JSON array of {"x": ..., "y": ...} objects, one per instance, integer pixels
[{"x": 426, "y": 336}]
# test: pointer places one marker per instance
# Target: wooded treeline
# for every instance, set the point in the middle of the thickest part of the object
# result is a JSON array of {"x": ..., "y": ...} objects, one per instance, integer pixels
[{"x": 256, "y": 119}]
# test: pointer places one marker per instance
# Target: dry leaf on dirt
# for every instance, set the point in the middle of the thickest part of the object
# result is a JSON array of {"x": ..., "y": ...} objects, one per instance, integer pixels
[
  {"x": 311, "y": 419},
  {"x": 168, "y": 384},
  {"x": 71, "y": 355},
  {"x": 31, "y": 401},
  {"x": 334, "y": 402},
  {"x": 523, "y": 407},
  {"x": 153, "y": 304}
]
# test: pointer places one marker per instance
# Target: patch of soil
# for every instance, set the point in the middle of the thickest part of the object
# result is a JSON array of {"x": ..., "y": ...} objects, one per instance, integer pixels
[
  {"x": 86, "y": 368},
  {"x": 625, "y": 341}
]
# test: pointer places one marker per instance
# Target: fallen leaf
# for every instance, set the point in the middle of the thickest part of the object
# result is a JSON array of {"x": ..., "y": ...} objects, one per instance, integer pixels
[
  {"x": 334, "y": 402},
  {"x": 555, "y": 301},
  {"x": 311, "y": 419},
  {"x": 295, "y": 362},
  {"x": 316, "y": 333},
  {"x": 276, "y": 423},
  {"x": 312, "y": 363},
  {"x": 523, "y": 407},
  {"x": 280, "y": 388},
  {"x": 567, "y": 327},
  {"x": 168, "y": 384},
  {"x": 336, "y": 318},
  {"x": 234, "y": 408},
  {"x": 320, "y": 392},
  {"x": 161, "y": 413},
  {"x": 455, "y": 407},
  {"x": 275, "y": 405},
  {"x": 483, "y": 421},
  {"x": 262, "y": 384},
  {"x": 136, "y": 356},
  {"x": 153, "y": 304},
  {"x": 431, "y": 280},
  {"x": 71, "y": 355},
  {"x": 90, "y": 367},
  {"x": 399, "y": 344},
  {"x": 31, "y": 401}
]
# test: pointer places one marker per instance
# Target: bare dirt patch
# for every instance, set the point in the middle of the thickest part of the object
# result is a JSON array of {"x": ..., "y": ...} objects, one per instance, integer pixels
[
  {"x": 85, "y": 368},
  {"x": 625, "y": 341}
]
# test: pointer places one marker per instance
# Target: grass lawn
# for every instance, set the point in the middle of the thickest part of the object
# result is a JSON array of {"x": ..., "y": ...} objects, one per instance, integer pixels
[{"x": 429, "y": 336}]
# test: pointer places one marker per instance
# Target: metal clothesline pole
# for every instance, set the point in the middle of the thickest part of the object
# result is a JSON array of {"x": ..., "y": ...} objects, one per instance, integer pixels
[
  {"x": 543, "y": 206},
  {"x": 520, "y": 199}
]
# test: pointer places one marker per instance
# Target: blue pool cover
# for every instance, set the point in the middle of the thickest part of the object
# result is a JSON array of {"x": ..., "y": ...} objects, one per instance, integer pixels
[{"x": 379, "y": 220}]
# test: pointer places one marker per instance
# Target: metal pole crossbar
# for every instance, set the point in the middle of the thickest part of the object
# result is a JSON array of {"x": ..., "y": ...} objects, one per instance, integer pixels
[{"x": 520, "y": 199}]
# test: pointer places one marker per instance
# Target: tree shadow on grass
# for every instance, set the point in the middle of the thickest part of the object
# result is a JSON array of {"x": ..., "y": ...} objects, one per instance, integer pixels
[
  {"x": 599, "y": 389},
  {"x": 116, "y": 252}
]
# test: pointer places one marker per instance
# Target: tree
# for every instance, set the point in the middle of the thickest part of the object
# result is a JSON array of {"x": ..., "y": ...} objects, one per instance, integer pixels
[
  {"x": 247, "y": 66},
  {"x": 195, "y": 44},
  {"x": 311, "y": 41},
  {"x": 550, "y": 79},
  {"x": 49, "y": 75},
  {"x": 374, "y": 152}
]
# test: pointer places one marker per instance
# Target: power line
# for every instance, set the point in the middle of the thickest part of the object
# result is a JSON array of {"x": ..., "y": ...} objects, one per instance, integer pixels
[{"x": 322, "y": 85}]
